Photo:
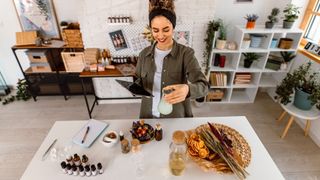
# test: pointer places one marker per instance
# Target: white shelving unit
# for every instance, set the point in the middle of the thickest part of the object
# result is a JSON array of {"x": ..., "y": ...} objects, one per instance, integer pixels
[{"x": 261, "y": 77}]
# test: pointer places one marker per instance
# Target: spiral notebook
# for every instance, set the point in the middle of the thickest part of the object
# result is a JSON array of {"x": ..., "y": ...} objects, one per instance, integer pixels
[{"x": 96, "y": 128}]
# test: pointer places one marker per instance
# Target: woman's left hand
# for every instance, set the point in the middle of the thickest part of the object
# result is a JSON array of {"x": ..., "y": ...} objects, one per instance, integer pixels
[{"x": 178, "y": 95}]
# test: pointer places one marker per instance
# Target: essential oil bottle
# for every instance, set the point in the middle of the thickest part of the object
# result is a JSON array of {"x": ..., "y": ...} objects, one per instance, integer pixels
[
  {"x": 64, "y": 166},
  {"x": 81, "y": 171},
  {"x": 75, "y": 170},
  {"x": 69, "y": 170},
  {"x": 99, "y": 165},
  {"x": 93, "y": 170},
  {"x": 87, "y": 170}
]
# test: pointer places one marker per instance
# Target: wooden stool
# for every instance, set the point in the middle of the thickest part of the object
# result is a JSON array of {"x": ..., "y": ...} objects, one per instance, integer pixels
[{"x": 294, "y": 112}]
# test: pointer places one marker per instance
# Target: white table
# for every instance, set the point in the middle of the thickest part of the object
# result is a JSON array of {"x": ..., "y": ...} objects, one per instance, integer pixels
[{"x": 153, "y": 156}]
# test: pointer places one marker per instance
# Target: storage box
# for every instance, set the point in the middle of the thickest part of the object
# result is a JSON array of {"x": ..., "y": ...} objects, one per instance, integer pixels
[
  {"x": 26, "y": 38},
  {"x": 215, "y": 95},
  {"x": 73, "y": 61},
  {"x": 91, "y": 55},
  {"x": 72, "y": 38},
  {"x": 40, "y": 67},
  {"x": 37, "y": 56}
]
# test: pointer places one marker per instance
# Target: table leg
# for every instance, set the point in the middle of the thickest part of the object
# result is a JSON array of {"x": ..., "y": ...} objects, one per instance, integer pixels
[
  {"x": 84, "y": 91},
  {"x": 282, "y": 116},
  {"x": 287, "y": 127},
  {"x": 306, "y": 130}
]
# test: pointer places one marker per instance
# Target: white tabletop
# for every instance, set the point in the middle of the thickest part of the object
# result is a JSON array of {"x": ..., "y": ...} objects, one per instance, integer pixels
[
  {"x": 152, "y": 161},
  {"x": 312, "y": 114}
]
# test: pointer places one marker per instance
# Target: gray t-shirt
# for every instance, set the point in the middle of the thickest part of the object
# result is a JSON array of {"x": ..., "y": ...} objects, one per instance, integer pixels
[{"x": 156, "y": 90}]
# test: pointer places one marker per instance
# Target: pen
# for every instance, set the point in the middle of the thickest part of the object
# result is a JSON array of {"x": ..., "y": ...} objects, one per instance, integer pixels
[
  {"x": 85, "y": 135},
  {"x": 45, "y": 153}
]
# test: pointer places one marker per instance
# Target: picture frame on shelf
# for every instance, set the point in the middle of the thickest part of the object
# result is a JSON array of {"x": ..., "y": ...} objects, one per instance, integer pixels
[
  {"x": 35, "y": 15},
  {"x": 118, "y": 40}
]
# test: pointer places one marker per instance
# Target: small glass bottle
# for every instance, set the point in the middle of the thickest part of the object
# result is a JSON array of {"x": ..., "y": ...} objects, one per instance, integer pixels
[
  {"x": 64, "y": 166},
  {"x": 76, "y": 159},
  {"x": 70, "y": 160},
  {"x": 93, "y": 170},
  {"x": 178, "y": 154},
  {"x": 99, "y": 166},
  {"x": 125, "y": 147},
  {"x": 158, "y": 132},
  {"x": 69, "y": 170},
  {"x": 84, "y": 160},
  {"x": 121, "y": 136},
  {"x": 81, "y": 171},
  {"x": 164, "y": 107},
  {"x": 75, "y": 170},
  {"x": 87, "y": 170},
  {"x": 135, "y": 145}
]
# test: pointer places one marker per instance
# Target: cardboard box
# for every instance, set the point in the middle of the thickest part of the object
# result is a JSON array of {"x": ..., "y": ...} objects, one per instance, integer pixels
[{"x": 37, "y": 56}]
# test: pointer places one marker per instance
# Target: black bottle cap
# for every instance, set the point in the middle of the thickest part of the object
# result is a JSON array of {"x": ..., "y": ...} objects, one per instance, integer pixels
[
  {"x": 81, "y": 168},
  {"x": 87, "y": 168},
  {"x": 93, "y": 167},
  {"x": 99, "y": 166},
  {"x": 68, "y": 166},
  {"x": 74, "y": 168},
  {"x": 63, "y": 165}
]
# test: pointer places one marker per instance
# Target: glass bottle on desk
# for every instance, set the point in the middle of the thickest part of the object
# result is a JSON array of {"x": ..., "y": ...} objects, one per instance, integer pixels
[
  {"x": 164, "y": 107},
  {"x": 178, "y": 153}
]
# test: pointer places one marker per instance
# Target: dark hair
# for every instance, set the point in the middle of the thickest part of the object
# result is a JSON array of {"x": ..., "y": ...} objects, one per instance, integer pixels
[{"x": 171, "y": 16}]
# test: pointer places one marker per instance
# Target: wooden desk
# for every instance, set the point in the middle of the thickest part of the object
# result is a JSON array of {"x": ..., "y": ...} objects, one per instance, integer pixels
[
  {"x": 153, "y": 157},
  {"x": 101, "y": 74}
]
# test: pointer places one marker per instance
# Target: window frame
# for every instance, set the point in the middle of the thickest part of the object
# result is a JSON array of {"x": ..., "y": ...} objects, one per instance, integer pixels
[{"x": 307, "y": 18}]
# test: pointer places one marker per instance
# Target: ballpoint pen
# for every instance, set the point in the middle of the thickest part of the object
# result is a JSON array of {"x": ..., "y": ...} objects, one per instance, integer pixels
[
  {"x": 85, "y": 135},
  {"x": 45, "y": 153}
]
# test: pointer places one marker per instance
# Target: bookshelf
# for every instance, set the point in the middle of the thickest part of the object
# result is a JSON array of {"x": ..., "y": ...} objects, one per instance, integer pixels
[{"x": 262, "y": 75}]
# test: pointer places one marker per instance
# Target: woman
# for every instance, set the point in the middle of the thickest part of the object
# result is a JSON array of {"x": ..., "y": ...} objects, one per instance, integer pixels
[{"x": 167, "y": 65}]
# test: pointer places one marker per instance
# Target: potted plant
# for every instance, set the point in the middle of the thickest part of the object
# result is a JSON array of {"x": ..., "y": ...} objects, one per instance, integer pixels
[
  {"x": 291, "y": 13},
  {"x": 287, "y": 57},
  {"x": 249, "y": 58},
  {"x": 222, "y": 39},
  {"x": 272, "y": 18},
  {"x": 306, "y": 86},
  {"x": 251, "y": 20}
]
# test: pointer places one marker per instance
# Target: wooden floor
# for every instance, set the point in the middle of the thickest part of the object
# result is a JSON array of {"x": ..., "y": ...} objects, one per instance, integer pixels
[{"x": 24, "y": 125}]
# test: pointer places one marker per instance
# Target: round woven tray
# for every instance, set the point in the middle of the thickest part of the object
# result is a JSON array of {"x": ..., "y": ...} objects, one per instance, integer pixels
[{"x": 239, "y": 145}]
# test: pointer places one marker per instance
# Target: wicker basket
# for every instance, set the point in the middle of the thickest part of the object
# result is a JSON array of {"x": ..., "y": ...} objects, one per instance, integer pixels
[
  {"x": 240, "y": 147},
  {"x": 285, "y": 43}
]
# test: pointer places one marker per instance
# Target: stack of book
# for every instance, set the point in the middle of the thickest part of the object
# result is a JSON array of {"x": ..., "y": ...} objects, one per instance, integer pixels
[
  {"x": 274, "y": 62},
  {"x": 218, "y": 79},
  {"x": 242, "y": 78}
]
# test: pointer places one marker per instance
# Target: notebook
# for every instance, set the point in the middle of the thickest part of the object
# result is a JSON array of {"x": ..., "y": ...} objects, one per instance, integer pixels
[
  {"x": 95, "y": 129},
  {"x": 134, "y": 88}
]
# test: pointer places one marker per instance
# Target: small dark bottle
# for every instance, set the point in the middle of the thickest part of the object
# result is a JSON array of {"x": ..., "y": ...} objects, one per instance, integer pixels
[
  {"x": 76, "y": 159},
  {"x": 75, "y": 170},
  {"x": 121, "y": 136},
  {"x": 158, "y": 133},
  {"x": 93, "y": 170},
  {"x": 69, "y": 170},
  {"x": 84, "y": 160},
  {"x": 64, "y": 166},
  {"x": 81, "y": 171},
  {"x": 100, "y": 170},
  {"x": 87, "y": 170}
]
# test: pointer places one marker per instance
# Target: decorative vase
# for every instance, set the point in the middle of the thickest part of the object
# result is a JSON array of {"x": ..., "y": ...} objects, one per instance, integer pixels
[
  {"x": 246, "y": 43},
  {"x": 250, "y": 24},
  {"x": 247, "y": 63},
  {"x": 222, "y": 61},
  {"x": 220, "y": 44},
  {"x": 284, "y": 66},
  {"x": 301, "y": 100},
  {"x": 287, "y": 24},
  {"x": 269, "y": 25}
]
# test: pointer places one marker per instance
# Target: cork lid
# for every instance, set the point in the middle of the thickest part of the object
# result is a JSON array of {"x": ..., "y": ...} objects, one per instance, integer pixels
[
  {"x": 135, "y": 142},
  {"x": 178, "y": 137}
]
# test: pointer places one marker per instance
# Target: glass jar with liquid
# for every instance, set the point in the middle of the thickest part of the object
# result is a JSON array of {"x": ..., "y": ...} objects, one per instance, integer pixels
[
  {"x": 164, "y": 107},
  {"x": 178, "y": 153}
]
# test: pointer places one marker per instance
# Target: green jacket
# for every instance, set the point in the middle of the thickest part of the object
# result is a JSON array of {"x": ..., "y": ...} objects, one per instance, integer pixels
[{"x": 180, "y": 66}]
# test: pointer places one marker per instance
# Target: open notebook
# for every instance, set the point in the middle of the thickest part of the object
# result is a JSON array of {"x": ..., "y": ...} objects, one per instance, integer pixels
[{"x": 96, "y": 128}]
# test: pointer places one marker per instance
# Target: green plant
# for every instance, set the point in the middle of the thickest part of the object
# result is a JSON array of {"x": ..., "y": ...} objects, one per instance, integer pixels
[
  {"x": 291, "y": 12},
  {"x": 287, "y": 56},
  {"x": 213, "y": 26},
  {"x": 251, "y": 17},
  {"x": 251, "y": 56},
  {"x": 301, "y": 78},
  {"x": 22, "y": 93},
  {"x": 222, "y": 32},
  {"x": 273, "y": 16},
  {"x": 147, "y": 34}
]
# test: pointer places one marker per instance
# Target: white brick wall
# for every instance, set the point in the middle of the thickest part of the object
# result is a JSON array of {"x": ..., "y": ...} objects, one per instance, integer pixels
[{"x": 95, "y": 14}]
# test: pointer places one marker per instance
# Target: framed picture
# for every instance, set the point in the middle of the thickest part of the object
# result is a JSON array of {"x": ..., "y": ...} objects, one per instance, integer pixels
[
  {"x": 38, "y": 15},
  {"x": 118, "y": 40},
  {"x": 182, "y": 37}
]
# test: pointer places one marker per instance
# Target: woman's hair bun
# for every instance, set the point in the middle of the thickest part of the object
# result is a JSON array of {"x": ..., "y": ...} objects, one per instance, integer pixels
[{"x": 161, "y": 4}]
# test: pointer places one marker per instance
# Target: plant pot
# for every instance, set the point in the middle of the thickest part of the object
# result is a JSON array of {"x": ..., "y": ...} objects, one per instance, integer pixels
[
  {"x": 301, "y": 100},
  {"x": 220, "y": 44},
  {"x": 285, "y": 43},
  {"x": 256, "y": 40},
  {"x": 246, "y": 43},
  {"x": 269, "y": 25},
  {"x": 250, "y": 24},
  {"x": 284, "y": 66},
  {"x": 247, "y": 63},
  {"x": 287, "y": 24},
  {"x": 274, "y": 43}
]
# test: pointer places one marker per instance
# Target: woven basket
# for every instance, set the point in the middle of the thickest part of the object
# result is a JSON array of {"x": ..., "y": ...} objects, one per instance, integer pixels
[{"x": 240, "y": 147}]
